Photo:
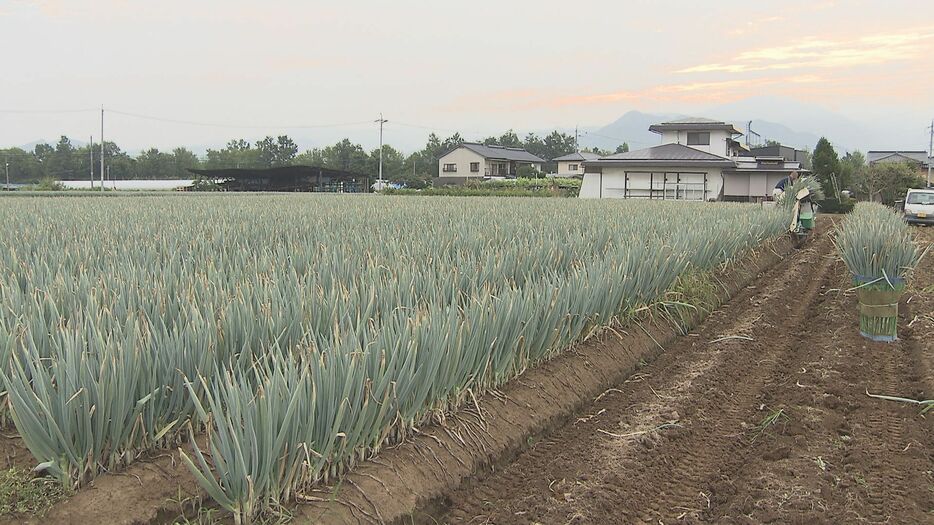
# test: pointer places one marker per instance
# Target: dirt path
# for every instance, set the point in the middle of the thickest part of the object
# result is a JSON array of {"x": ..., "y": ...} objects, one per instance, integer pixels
[{"x": 758, "y": 416}]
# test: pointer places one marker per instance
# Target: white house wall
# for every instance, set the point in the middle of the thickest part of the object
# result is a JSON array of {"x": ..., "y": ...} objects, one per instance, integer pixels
[
  {"x": 461, "y": 157},
  {"x": 753, "y": 185},
  {"x": 564, "y": 168},
  {"x": 718, "y": 140},
  {"x": 612, "y": 183}
]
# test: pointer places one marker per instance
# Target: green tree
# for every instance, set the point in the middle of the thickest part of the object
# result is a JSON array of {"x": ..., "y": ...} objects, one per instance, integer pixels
[
  {"x": 528, "y": 172},
  {"x": 23, "y": 165},
  {"x": 237, "y": 154},
  {"x": 119, "y": 165},
  {"x": 826, "y": 167},
  {"x": 557, "y": 145},
  {"x": 416, "y": 171},
  {"x": 344, "y": 155},
  {"x": 279, "y": 151},
  {"x": 602, "y": 152},
  {"x": 154, "y": 164},
  {"x": 183, "y": 160},
  {"x": 853, "y": 170},
  {"x": 535, "y": 145},
  {"x": 508, "y": 140},
  {"x": 392, "y": 163},
  {"x": 43, "y": 152},
  {"x": 622, "y": 148},
  {"x": 888, "y": 182},
  {"x": 62, "y": 163}
]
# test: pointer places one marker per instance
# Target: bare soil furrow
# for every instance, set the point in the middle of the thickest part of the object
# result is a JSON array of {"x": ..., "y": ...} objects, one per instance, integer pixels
[{"x": 769, "y": 424}]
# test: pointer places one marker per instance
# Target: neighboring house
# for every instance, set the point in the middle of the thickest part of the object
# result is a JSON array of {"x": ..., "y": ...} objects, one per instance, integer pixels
[
  {"x": 572, "y": 165},
  {"x": 918, "y": 159},
  {"x": 698, "y": 160},
  {"x": 471, "y": 159}
]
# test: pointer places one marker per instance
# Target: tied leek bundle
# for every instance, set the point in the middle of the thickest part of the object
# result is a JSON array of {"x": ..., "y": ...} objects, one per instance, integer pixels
[
  {"x": 878, "y": 249},
  {"x": 787, "y": 200}
]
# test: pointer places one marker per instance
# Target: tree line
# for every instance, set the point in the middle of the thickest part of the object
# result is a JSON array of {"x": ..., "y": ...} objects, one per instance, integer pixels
[
  {"x": 885, "y": 182},
  {"x": 66, "y": 161}
]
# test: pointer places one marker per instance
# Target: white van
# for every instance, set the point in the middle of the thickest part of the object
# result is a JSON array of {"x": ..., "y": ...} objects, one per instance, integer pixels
[{"x": 919, "y": 206}]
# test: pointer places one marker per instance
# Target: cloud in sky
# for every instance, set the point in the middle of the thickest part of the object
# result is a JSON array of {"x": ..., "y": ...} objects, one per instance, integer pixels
[
  {"x": 815, "y": 52},
  {"x": 720, "y": 91},
  {"x": 495, "y": 66}
]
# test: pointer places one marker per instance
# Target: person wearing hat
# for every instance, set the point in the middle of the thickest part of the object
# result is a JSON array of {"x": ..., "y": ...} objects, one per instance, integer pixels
[{"x": 786, "y": 181}]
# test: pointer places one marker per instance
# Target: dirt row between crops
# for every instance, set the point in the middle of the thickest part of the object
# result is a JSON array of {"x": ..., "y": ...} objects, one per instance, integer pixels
[
  {"x": 772, "y": 424},
  {"x": 422, "y": 470}
]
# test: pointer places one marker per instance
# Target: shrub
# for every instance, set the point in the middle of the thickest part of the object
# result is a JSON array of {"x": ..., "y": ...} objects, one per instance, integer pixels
[{"x": 835, "y": 206}]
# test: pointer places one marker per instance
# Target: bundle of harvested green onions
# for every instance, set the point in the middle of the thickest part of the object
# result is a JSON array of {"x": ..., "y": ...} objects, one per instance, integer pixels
[
  {"x": 787, "y": 198},
  {"x": 878, "y": 249}
]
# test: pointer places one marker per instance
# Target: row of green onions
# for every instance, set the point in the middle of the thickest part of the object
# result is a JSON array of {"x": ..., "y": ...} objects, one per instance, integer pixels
[{"x": 304, "y": 333}]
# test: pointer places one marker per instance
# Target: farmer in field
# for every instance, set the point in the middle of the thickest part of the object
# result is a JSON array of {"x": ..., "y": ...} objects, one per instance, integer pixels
[{"x": 786, "y": 181}]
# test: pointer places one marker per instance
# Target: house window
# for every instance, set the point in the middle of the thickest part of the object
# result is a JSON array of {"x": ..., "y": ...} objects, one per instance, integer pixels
[
  {"x": 474, "y": 167},
  {"x": 450, "y": 168},
  {"x": 572, "y": 167},
  {"x": 699, "y": 138}
]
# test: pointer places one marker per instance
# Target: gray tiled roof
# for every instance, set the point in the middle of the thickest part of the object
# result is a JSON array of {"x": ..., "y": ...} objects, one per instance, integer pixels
[
  {"x": 897, "y": 156},
  {"x": 665, "y": 155},
  {"x": 502, "y": 152},
  {"x": 578, "y": 155},
  {"x": 666, "y": 152}
]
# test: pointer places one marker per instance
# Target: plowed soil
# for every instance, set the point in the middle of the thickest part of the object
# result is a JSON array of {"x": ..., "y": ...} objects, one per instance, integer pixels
[{"x": 761, "y": 415}]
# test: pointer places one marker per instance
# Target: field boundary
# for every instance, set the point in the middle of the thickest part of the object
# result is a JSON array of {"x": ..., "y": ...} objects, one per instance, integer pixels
[{"x": 500, "y": 425}]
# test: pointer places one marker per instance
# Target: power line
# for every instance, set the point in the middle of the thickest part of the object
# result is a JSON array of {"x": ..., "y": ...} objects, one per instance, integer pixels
[
  {"x": 30, "y": 111},
  {"x": 429, "y": 128},
  {"x": 235, "y": 126}
]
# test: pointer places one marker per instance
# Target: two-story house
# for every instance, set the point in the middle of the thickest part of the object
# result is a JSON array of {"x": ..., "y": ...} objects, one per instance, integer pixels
[
  {"x": 698, "y": 160},
  {"x": 471, "y": 159}
]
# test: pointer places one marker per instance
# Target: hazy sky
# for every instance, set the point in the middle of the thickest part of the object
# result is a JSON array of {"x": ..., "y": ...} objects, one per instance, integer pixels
[{"x": 478, "y": 67}]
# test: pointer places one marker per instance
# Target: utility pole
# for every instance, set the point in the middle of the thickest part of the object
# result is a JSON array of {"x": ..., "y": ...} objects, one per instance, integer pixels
[
  {"x": 930, "y": 152},
  {"x": 381, "y": 122},
  {"x": 91, "y": 155},
  {"x": 7, "y": 174},
  {"x": 102, "y": 148},
  {"x": 577, "y": 136}
]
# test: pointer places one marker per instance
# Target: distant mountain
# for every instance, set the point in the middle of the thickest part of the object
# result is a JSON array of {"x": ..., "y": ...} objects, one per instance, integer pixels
[
  {"x": 633, "y": 128},
  {"x": 32, "y": 145},
  {"x": 844, "y": 132}
]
